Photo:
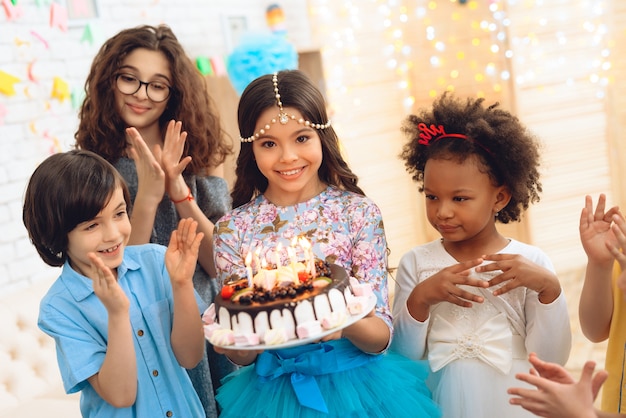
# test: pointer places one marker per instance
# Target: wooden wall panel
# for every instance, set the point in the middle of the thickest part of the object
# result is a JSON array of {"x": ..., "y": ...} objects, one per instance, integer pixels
[
  {"x": 616, "y": 101},
  {"x": 559, "y": 102}
]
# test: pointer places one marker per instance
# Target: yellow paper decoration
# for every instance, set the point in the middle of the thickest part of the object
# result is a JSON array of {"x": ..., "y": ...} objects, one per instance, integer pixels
[
  {"x": 60, "y": 89},
  {"x": 7, "y": 82}
]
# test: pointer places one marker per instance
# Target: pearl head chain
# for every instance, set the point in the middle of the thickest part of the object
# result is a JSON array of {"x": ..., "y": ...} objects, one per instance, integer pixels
[{"x": 283, "y": 117}]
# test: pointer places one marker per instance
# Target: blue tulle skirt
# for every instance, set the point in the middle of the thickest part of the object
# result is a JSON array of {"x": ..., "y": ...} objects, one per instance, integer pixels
[{"x": 329, "y": 379}]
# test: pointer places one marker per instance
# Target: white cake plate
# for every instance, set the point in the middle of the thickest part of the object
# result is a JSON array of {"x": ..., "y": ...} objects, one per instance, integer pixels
[{"x": 371, "y": 303}]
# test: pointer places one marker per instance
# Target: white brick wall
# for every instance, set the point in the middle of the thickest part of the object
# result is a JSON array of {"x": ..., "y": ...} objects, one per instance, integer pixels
[{"x": 36, "y": 125}]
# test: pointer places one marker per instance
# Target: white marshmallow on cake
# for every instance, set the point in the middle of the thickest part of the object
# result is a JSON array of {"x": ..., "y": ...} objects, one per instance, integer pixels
[
  {"x": 309, "y": 329},
  {"x": 246, "y": 339},
  {"x": 356, "y": 305},
  {"x": 209, "y": 329},
  {"x": 275, "y": 336},
  {"x": 360, "y": 289},
  {"x": 222, "y": 337}
]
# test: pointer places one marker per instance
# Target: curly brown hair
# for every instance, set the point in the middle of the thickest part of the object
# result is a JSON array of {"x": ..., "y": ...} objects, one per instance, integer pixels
[
  {"x": 507, "y": 151},
  {"x": 102, "y": 131},
  {"x": 297, "y": 91}
]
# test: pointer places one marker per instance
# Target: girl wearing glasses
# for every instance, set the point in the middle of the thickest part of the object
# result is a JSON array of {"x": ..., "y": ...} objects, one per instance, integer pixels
[{"x": 140, "y": 86}]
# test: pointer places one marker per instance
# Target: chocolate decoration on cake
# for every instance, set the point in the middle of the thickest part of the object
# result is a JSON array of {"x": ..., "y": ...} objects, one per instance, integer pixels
[{"x": 284, "y": 310}]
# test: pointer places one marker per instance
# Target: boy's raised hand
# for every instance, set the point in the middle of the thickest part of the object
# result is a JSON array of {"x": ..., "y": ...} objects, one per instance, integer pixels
[
  {"x": 106, "y": 287},
  {"x": 182, "y": 252}
]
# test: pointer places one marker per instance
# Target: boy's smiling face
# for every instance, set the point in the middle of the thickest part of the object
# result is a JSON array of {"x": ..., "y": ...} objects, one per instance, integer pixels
[{"x": 106, "y": 235}]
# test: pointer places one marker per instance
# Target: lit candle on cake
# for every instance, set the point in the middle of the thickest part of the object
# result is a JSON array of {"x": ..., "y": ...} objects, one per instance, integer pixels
[
  {"x": 308, "y": 255},
  {"x": 277, "y": 251},
  {"x": 257, "y": 259},
  {"x": 248, "y": 268},
  {"x": 292, "y": 257}
]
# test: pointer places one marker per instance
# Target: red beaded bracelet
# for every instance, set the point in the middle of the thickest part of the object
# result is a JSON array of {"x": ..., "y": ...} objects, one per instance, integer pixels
[{"x": 189, "y": 197}]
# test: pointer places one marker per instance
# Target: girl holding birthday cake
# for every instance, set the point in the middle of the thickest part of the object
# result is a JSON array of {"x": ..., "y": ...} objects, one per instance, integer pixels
[{"x": 292, "y": 182}]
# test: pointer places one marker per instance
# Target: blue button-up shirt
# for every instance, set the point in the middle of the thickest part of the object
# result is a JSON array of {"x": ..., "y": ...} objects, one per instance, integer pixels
[{"x": 77, "y": 320}]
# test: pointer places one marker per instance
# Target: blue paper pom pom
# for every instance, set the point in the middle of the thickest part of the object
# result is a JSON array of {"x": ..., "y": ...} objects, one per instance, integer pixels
[{"x": 257, "y": 55}]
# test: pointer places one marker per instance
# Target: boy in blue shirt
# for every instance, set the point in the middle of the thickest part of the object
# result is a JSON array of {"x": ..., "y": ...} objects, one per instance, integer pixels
[{"x": 126, "y": 320}]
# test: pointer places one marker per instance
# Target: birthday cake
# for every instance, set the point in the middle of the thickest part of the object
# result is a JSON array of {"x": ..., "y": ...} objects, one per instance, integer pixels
[{"x": 284, "y": 304}]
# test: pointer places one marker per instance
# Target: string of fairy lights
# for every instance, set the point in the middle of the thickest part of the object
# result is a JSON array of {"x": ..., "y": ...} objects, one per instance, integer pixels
[{"x": 418, "y": 32}]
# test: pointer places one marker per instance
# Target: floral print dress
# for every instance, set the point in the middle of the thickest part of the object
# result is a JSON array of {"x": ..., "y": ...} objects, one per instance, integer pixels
[{"x": 342, "y": 381}]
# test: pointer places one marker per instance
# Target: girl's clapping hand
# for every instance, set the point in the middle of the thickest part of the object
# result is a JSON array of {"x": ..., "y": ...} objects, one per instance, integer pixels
[
  {"x": 518, "y": 271},
  {"x": 444, "y": 286},
  {"x": 150, "y": 175},
  {"x": 171, "y": 162}
]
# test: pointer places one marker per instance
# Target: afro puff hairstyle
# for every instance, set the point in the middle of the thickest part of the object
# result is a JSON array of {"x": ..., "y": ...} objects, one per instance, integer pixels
[{"x": 505, "y": 148}]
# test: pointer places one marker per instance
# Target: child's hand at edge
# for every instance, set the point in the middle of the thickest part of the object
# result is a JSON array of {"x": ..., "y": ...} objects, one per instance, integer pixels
[
  {"x": 182, "y": 252},
  {"x": 595, "y": 230},
  {"x": 552, "y": 371},
  {"x": 518, "y": 271},
  {"x": 617, "y": 250},
  {"x": 557, "y": 398}
]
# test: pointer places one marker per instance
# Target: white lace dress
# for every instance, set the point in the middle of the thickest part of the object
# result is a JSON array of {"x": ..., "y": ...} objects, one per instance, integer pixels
[{"x": 475, "y": 352}]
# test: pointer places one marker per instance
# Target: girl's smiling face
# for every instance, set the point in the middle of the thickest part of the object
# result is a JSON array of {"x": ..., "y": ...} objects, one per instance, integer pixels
[
  {"x": 461, "y": 200},
  {"x": 289, "y": 156},
  {"x": 106, "y": 235},
  {"x": 138, "y": 109}
]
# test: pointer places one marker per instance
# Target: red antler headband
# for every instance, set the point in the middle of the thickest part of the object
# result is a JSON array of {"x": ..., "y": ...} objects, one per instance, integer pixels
[{"x": 434, "y": 133}]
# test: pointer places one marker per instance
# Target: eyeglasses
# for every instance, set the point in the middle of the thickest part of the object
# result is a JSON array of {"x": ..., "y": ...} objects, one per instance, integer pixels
[{"x": 129, "y": 84}]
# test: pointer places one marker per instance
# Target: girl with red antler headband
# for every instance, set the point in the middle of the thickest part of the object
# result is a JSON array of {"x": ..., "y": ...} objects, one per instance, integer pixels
[{"x": 474, "y": 302}]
